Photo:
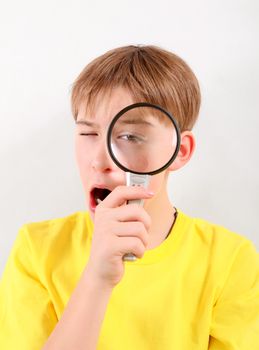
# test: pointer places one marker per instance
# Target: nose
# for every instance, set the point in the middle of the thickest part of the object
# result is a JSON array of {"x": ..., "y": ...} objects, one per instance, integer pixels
[{"x": 101, "y": 160}]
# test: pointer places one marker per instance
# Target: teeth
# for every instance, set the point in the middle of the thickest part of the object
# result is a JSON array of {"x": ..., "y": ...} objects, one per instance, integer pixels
[{"x": 98, "y": 200}]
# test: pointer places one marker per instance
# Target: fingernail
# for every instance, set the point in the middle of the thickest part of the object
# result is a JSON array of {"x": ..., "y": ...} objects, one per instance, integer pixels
[{"x": 150, "y": 193}]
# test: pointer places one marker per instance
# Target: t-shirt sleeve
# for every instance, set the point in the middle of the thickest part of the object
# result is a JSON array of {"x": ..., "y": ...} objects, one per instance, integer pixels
[
  {"x": 235, "y": 317},
  {"x": 27, "y": 316}
]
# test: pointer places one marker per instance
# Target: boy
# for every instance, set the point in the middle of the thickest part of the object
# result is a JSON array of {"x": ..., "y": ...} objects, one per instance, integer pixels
[{"x": 194, "y": 285}]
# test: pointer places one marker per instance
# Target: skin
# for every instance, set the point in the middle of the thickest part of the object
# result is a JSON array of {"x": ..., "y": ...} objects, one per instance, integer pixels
[{"x": 118, "y": 228}]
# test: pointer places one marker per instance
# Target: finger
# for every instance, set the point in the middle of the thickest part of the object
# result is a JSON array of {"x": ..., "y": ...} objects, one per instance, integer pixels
[
  {"x": 132, "y": 229},
  {"x": 131, "y": 245},
  {"x": 122, "y": 194},
  {"x": 132, "y": 212}
]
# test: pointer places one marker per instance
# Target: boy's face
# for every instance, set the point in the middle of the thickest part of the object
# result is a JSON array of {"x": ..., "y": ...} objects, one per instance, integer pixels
[{"x": 97, "y": 169}]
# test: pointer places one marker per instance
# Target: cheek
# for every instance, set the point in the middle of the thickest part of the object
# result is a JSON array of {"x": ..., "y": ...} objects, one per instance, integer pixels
[
  {"x": 80, "y": 157},
  {"x": 83, "y": 161}
]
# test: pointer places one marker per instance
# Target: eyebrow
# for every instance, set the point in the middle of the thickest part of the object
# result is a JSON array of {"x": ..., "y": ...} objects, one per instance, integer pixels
[
  {"x": 127, "y": 121},
  {"x": 85, "y": 122},
  {"x": 137, "y": 121}
]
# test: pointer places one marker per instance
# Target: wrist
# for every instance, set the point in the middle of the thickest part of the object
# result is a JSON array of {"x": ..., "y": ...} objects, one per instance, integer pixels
[{"x": 96, "y": 283}]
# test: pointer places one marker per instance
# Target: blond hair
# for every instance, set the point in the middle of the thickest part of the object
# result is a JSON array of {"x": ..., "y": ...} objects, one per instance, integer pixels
[{"x": 149, "y": 73}]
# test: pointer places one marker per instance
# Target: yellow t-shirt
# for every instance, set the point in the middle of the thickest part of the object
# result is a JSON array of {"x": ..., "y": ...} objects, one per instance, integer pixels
[{"x": 198, "y": 290}]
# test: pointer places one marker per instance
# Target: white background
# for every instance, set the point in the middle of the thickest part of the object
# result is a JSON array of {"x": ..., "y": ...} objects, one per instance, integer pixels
[{"x": 44, "y": 46}]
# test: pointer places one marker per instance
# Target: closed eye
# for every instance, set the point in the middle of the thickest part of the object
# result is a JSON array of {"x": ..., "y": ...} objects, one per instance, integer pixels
[{"x": 88, "y": 134}]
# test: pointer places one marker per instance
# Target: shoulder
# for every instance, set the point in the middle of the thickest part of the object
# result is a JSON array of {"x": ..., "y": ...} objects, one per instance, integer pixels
[
  {"x": 212, "y": 234},
  {"x": 218, "y": 245},
  {"x": 55, "y": 238},
  {"x": 226, "y": 252},
  {"x": 230, "y": 260},
  {"x": 58, "y": 228}
]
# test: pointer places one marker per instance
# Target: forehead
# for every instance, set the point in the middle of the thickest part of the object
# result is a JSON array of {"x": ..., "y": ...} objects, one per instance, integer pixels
[{"x": 105, "y": 107}]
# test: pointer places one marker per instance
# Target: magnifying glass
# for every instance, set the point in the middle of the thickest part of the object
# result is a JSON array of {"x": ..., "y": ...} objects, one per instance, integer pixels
[{"x": 143, "y": 139}]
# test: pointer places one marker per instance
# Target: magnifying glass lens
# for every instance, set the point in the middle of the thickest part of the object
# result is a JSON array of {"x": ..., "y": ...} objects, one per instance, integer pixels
[{"x": 143, "y": 139}]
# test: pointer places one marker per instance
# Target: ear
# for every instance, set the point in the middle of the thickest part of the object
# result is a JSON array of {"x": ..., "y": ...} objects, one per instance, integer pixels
[{"x": 186, "y": 151}]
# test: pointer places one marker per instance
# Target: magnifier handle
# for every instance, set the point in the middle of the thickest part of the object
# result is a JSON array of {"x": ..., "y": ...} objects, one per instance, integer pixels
[{"x": 135, "y": 180}]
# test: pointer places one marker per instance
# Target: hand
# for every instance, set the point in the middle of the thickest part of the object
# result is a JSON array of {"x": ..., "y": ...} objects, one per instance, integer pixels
[{"x": 118, "y": 229}]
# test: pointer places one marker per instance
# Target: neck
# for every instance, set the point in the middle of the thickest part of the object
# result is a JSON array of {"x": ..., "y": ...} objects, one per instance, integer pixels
[{"x": 161, "y": 224}]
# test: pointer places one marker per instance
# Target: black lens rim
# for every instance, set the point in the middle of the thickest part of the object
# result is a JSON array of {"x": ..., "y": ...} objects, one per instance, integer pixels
[{"x": 126, "y": 109}]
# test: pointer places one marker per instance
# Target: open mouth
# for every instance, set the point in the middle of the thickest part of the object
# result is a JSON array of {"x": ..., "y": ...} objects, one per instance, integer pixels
[{"x": 99, "y": 194}]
